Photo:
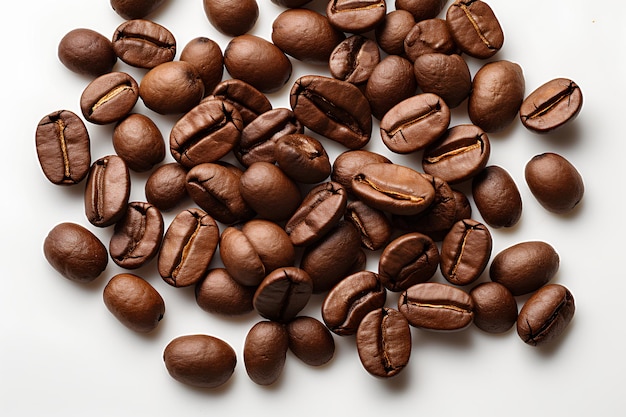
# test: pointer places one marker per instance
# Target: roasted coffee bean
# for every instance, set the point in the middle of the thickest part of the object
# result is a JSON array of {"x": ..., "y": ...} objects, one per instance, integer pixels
[
  {"x": 356, "y": 16},
  {"x": 349, "y": 163},
  {"x": 232, "y": 19},
  {"x": 421, "y": 9},
  {"x": 465, "y": 252},
  {"x": 134, "y": 302},
  {"x": 448, "y": 76},
  {"x": 303, "y": 158},
  {"x": 166, "y": 186},
  {"x": 390, "y": 33},
  {"x": 495, "y": 308},
  {"x": 63, "y": 147},
  {"x": 291, "y": 3},
  {"x": 137, "y": 236},
  {"x": 107, "y": 191},
  {"x": 265, "y": 351},
  {"x": 259, "y": 137},
  {"x": 257, "y": 62},
  {"x": 497, "y": 197},
  {"x": 200, "y": 360},
  {"x": 139, "y": 142},
  {"x": 391, "y": 82},
  {"x": 252, "y": 251},
  {"x": 497, "y": 94},
  {"x": 350, "y": 300},
  {"x": 207, "y": 58},
  {"x": 354, "y": 59},
  {"x": 435, "y": 306},
  {"x": 546, "y": 315},
  {"x": 172, "y": 88},
  {"x": 206, "y": 133},
  {"x": 215, "y": 189},
  {"x": 306, "y": 35},
  {"x": 320, "y": 211},
  {"x": 85, "y": 51},
  {"x": 188, "y": 247},
  {"x": 460, "y": 154},
  {"x": 135, "y": 9},
  {"x": 427, "y": 37},
  {"x": 373, "y": 225},
  {"x": 283, "y": 294},
  {"x": 551, "y": 105},
  {"x": 393, "y": 188},
  {"x": 554, "y": 182},
  {"x": 310, "y": 341},
  {"x": 408, "y": 260},
  {"x": 525, "y": 267},
  {"x": 383, "y": 342},
  {"x": 475, "y": 28},
  {"x": 463, "y": 207},
  {"x": 249, "y": 101},
  {"x": 414, "y": 123},
  {"x": 143, "y": 43},
  {"x": 109, "y": 98},
  {"x": 333, "y": 108},
  {"x": 75, "y": 253},
  {"x": 219, "y": 293}
]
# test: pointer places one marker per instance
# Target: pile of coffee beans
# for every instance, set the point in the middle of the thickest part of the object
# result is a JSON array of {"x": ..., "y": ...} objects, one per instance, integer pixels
[{"x": 285, "y": 219}]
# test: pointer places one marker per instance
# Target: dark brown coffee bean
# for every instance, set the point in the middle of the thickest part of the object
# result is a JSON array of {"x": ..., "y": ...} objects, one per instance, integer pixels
[
  {"x": 200, "y": 360},
  {"x": 356, "y": 16},
  {"x": 257, "y": 62},
  {"x": 252, "y": 251},
  {"x": 435, "y": 306},
  {"x": 206, "y": 133},
  {"x": 463, "y": 207},
  {"x": 333, "y": 108},
  {"x": 408, "y": 260},
  {"x": 448, "y": 76},
  {"x": 63, "y": 147},
  {"x": 283, "y": 294},
  {"x": 303, "y": 158},
  {"x": 166, "y": 186},
  {"x": 107, "y": 191},
  {"x": 354, "y": 59},
  {"x": 349, "y": 163},
  {"x": 383, "y": 342},
  {"x": 320, "y": 211},
  {"x": 249, "y": 101},
  {"x": 139, "y": 142},
  {"x": 207, "y": 58},
  {"x": 460, "y": 154},
  {"x": 525, "y": 267},
  {"x": 232, "y": 19},
  {"x": 546, "y": 315},
  {"x": 497, "y": 94},
  {"x": 414, "y": 123},
  {"x": 137, "y": 236},
  {"x": 393, "y": 188},
  {"x": 310, "y": 341},
  {"x": 350, "y": 300},
  {"x": 85, "y": 51},
  {"x": 75, "y": 253},
  {"x": 134, "y": 302},
  {"x": 551, "y": 105},
  {"x": 109, "y": 98},
  {"x": 391, "y": 82},
  {"x": 475, "y": 28},
  {"x": 219, "y": 293},
  {"x": 390, "y": 33},
  {"x": 427, "y": 37},
  {"x": 554, "y": 182},
  {"x": 135, "y": 9},
  {"x": 172, "y": 88},
  {"x": 421, "y": 9},
  {"x": 373, "y": 225},
  {"x": 143, "y": 43},
  {"x": 495, "y": 308},
  {"x": 188, "y": 247},
  {"x": 465, "y": 252},
  {"x": 265, "y": 351},
  {"x": 497, "y": 197}
]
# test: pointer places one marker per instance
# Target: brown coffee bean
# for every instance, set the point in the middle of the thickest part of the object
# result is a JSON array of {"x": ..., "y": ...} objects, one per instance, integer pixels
[
  {"x": 354, "y": 59},
  {"x": 143, "y": 43},
  {"x": 109, "y": 98},
  {"x": 75, "y": 252},
  {"x": 232, "y": 19},
  {"x": 139, "y": 142},
  {"x": 200, "y": 360},
  {"x": 172, "y": 88},
  {"x": 219, "y": 293},
  {"x": 107, "y": 191},
  {"x": 135, "y": 9},
  {"x": 554, "y": 182},
  {"x": 391, "y": 82},
  {"x": 383, "y": 342},
  {"x": 427, "y": 37},
  {"x": 546, "y": 315},
  {"x": 475, "y": 28},
  {"x": 497, "y": 197},
  {"x": 435, "y": 306},
  {"x": 85, "y": 51},
  {"x": 134, "y": 302},
  {"x": 265, "y": 352},
  {"x": 525, "y": 267},
  {"x": 303, "y": 158},
  {"x": 465, "y": 252},
  {"x": 390, "y": 33},
  {"x": 291, "y": 3},
  {"x": 310, "y": 341},
  {"x": 356, "y": 17},
  {"x": 249, "y": 101},
  {"x": 63, "y": 147},
  {"x": 349, "y": 163},
  {"x": 463, "y": 207},
  {"x": 165, "y": 187},
  {"x": 495, "y": 308},
  {"x": 447, "y": 76},
  {"x": 421, "y": 9},
  {"x": 373, "y": 225},
  {"x": 283, "y": 294},
  {"x": 207, "y": 58},
  {"x": 551, "y": 105}
]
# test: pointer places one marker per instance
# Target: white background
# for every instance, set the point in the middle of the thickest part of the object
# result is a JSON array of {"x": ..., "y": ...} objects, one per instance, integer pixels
[{"x": 62, "y": 353}]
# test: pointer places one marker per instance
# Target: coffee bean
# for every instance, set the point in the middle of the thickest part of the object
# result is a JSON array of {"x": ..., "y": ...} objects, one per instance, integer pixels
[
  {"x": 75, "y": 252},
  {"x": 495, "y": 308},
  {"x": 390, "y": 33},
  {"x": 291, "y": 3},
  {"x": 422, "y": 9},
  {"x": 354, "y": 59},
  {"x": 63, "y": 147},
  {"x": 356, "y": 17},
  {"x": 427, "y": 37},
  {"x": 349, "y": 163},
  {"x": 165, "y": 187},
  {"x": 465, "y": 252},
  {"x": 435, "y": 306},
  {"x": 283, "y": 294},
  {"x": 551, "y": 105},
  {"x": 107, "y": 191},
  {"x": 463, "y": 207},
  {"x": 303, "y": 158},
  {"x": 135, "y": 9},
  {"x": 172, "y": 88},
  {"x": 391, "y": 82},
  {"x": 310, "y": 341},
  {"x": 232, "y": 19},
  {"x": 200, "y": 360},
  {"x": 373, "y": 225},
  {"x": 109, "y": 98},
  {"x": 85, "y": 51},
  {"x": 497, "y": 197},
  {"x": 219, "y": 293},
  {"x": 134, "y": 302},
  {"x": 475, "y": 28},
  {"x": 143, "y": 43},
  {"x": 265, "y": 352},
  {"x": 447, "y": 76},
  {"x": 139, "y": 142},
  {"x": 249, "y": 101},
  {"x": 207, "y": 58}
]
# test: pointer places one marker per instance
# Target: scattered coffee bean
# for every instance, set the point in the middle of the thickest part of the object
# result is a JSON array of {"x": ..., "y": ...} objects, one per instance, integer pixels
[
  {"x": 427, "y": 37},
  {"x": 391, "y": 82},
  {"x": 249, "y": 101},
  {"x": 303, "y": 158},
  {"x": 310, "y": 341},
  {"x": 390, "y": 33},
  {"x": 107, "y": 191},
  {"x": 356, "y": 17},
  {"x": 109, "y": 98},
  {"x": 373, "y": 225},
  {"x": 219, "y": 293},
  {"x": 265, "y": 352},
  {"x": 475, "y": 28},
  {"x": 447, "y": 76},
  {"x": 354, "y": 59},
  {"x": 497, "y": 197},
  {"x": 143, "y": 43},
  {"x": 139, "y": 142},
  {"x": 232, "y": 19},
  {"x": 207, "y": 58},
  {"x": 165, "y": 187},
  {"x": 495, "y": 308},
  {"x": 172, "y": 88},
  {"x": 465, "y": 252},
  {"x": 283, "y": 293},
  {"x": 85, "y": 51},
  {"x": 551, "y": 105}
]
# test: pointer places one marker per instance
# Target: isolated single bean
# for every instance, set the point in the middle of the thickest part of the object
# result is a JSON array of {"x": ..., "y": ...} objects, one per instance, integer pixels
[{"x": 551, "y": 105}]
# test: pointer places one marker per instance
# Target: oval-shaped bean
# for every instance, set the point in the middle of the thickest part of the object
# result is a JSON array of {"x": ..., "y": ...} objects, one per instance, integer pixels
[
  {"x": 495, "y": 308},
  {"x": 475, "y": 28},
  {"x": 107, "y": 191},
  {"x": 551, "y": 105},
  {"x": 354, "y": 59},
  {"x": 109, "y": 98},
  {"x": 219, "y": 293},
  {"x": 310, "y": 341},
  {"x": 373, "y": 225},
  {"x": 497, "y": 197},
  {"x": 265, "y": 352},
  {"x": 356, "y": 16},
  {"x": 465, "y": 252},
  {"x": 248, "y": 100},
  {"x": 143, "y": 43},
  {"x": 283, "y": 294},
  {"x": 303, "y": 158}
]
